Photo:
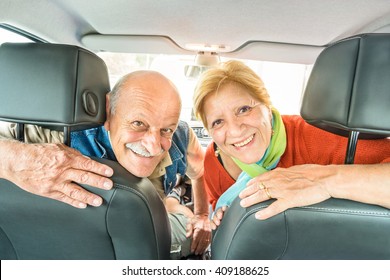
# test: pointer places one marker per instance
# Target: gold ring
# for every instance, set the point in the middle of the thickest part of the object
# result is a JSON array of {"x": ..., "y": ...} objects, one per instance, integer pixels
[
  {"x": 263, "y": 187},
  {"x": 267, "y": 192}
]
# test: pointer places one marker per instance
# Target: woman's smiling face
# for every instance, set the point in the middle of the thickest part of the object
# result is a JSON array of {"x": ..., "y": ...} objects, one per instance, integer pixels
[{"x": 239, "y": 124}]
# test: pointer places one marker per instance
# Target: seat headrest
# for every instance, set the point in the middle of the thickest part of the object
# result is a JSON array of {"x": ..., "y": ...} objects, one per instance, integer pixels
[
  {"x": 349, "y": 87},
  {"x": 52, "y": 84}
]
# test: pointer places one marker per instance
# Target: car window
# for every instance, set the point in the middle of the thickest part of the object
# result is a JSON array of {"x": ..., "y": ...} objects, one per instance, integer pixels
[
  {"x": 9, "y": 36},
  {"x": 12, "y": 37},
  {"x": 284, "y": 81}
]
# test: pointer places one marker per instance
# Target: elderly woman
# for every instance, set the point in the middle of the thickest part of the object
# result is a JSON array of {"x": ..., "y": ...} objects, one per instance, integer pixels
[{"x": 258, "y": 154}]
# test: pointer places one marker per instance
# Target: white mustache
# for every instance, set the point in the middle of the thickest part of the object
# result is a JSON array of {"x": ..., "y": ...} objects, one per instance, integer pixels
[{"x": 139, "y": 149}]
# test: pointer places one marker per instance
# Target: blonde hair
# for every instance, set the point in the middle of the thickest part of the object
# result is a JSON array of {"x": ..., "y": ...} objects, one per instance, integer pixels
[{"x": 232, "y": 71}]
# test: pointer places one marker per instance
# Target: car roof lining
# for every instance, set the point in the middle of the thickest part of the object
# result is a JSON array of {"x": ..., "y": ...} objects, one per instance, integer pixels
[{"x": 167, "y": 26}]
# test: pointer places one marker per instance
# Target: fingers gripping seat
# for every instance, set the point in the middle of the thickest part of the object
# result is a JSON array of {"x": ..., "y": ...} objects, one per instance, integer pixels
[
  {"x": 65, "y": 86},
  {"x": 348, "y": 94}
]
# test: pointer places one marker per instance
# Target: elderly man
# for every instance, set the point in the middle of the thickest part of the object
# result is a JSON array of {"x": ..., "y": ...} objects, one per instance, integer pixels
[{"x": 142, "y": 132}]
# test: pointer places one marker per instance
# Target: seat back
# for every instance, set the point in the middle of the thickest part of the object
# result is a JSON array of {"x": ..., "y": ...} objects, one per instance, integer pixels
[
  {"x": 348, "y": 90},
  {"x": 334, "y": 229},
  {"x": 65, "y": 86},
  {"x": 347, "y": 94}
]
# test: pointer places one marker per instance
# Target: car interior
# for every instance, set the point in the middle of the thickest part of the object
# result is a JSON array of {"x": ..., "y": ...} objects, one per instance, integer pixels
[
  {"x": 327, "y": 61},
  {"x": 62, "y": 86},
  {"x": 347, "y": 76}
]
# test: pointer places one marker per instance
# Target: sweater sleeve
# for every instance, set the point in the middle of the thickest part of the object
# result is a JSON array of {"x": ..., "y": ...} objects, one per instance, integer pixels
[{"x": 307, "y": 144}]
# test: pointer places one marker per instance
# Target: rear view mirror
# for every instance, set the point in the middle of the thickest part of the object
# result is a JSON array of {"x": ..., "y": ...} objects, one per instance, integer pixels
[
  {"x": 194, "y": 71},
  {"x": 203, "y": 62}
]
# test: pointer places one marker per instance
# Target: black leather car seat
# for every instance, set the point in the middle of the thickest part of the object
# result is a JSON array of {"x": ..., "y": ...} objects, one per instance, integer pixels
[
  {"x": 65, "y": 86},
  {"x": 348, "y": 90},
  {"x": 348, "y": 93}
]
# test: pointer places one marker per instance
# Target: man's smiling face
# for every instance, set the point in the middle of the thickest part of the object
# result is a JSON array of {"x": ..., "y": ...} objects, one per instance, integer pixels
[{"x": 145, "y": 117}]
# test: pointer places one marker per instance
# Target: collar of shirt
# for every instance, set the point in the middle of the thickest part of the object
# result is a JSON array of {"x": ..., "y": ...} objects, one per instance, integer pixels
[{"x": 160, "y": 168}]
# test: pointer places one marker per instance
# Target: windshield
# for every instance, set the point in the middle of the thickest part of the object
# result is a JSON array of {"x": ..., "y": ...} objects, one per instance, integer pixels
[{"x": 285, "y": 82}]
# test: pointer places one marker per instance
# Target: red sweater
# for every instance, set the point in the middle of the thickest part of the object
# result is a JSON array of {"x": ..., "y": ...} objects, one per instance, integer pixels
[{"x": 306, "y": 144}]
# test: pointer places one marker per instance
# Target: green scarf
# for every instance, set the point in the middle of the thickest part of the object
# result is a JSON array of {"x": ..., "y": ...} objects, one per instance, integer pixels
[{"x": 274, "y": 151}]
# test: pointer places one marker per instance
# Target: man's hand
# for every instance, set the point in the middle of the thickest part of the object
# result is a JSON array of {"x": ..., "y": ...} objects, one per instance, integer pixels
[
  {"x": 52, "y": 170},
  {"x": 199, "y": 228}
]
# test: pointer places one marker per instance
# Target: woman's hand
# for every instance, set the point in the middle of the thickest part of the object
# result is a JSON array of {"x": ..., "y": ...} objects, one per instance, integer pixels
[
  {"x": 217, "y": 218},
  {"x": 296, "y": 186}
]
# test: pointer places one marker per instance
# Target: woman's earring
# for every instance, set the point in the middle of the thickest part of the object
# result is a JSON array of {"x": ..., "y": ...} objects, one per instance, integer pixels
[{"x": 216, "y": 153}]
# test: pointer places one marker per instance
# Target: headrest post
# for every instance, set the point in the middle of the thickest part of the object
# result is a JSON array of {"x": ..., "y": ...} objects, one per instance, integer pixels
[
  {"x": 67, "y": 135},
  {"x": 20, "y": 132},
  {"x": 351, "y": 148}
]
